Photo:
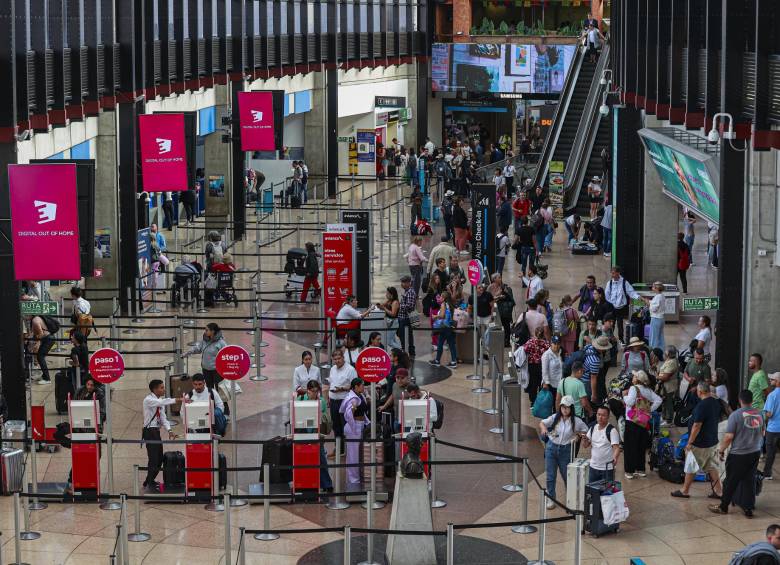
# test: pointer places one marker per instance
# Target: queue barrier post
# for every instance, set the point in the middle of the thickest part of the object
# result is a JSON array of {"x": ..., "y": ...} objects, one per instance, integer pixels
[
  {"x": 34, "y": 503},
  {"x": 27, "y": 534},
  {"x": 337, "y": 502},
  {"x": 450, "y": 544},
  {"x": 252, "y": 314},
  {"x": 17, "y": 532},
  {"x": 542, "y": 531},
  {"x": 260, "y": 314},
  {"x": 514, "y": 486},
  {"x": 266, "y": 536},
  {"x": 112, "y": 332},
  {"x": 123, "y": 530},
  {"x": 228, "y": 542},
  {"x": 435, "y": 501},
  {"x": 214, "y": 505},
  {"x": 242, "y": 546},
  {"x": 578, "y": 519},
  {"x": 139, "y": 309},
  {"x": 369, "y": 537},
  {"x": 498, "y": 396},
  {"x": 130, "y": 310},
  {"x": 347, "y": 545},
  {"x": 137, "y": 535},
  {"x": 524, "y": 528},
  {"x": 493, "y": 410},
  {"x": 480, "y": 376}
]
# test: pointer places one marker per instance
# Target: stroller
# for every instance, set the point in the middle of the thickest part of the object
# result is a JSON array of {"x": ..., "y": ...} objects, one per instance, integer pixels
[
  {"x": 295, "y": 267},
  {"x": 222, "y": 288},
  {"x": 421, "y": 227},
  {"x": 186, "y": 282}
]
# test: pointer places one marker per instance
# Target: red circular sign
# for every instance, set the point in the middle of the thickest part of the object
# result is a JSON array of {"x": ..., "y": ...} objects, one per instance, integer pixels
[
  {"x": 475, "y": 272},
  {"x": 373, "y": 364},
  {"x": 106, "y": 365},
  {"x": 232, "y": 362}
]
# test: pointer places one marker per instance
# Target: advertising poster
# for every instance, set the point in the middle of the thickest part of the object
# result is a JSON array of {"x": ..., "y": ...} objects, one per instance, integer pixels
[
  {"x": 362, "y": 221},
  {"x": 483, "y": 226},
  {"x": 217, "y": 186},
  {"x": 256, "y": 120},
  {"x": 685, "y": 179},
  {"x": 338, "y": 267},
  {"x": 163, "y": 152},
  {"x": 555, "y": 180},
  {"x": 144, "y": 256},
  {"x": 366, "y": 139},
  {"x": 500, "y": 68},
  {"x": 103, "y": 243},
  {"x": 44, "y": 222}
]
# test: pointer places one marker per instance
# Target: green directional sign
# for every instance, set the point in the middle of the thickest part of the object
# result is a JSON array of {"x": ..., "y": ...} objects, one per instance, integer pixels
[
  {"x": 38, "y": 308},
  {"x": 701, "y": 303}
]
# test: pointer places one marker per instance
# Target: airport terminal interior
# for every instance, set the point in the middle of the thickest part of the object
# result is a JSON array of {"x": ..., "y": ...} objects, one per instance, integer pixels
[{"x": 389, "y": 282}]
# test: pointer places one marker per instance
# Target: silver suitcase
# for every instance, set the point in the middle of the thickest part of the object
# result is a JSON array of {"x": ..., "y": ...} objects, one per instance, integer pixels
[
  {"x": 11, "y": 470},
  {"x": 576, "y": 481},
  {"x": 14, "y": 429}
]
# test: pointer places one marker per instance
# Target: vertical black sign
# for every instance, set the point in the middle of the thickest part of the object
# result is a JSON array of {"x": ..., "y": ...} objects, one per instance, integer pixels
[
  {"x": 362, "y": 221},
  {"x": 483, "y": 225}
]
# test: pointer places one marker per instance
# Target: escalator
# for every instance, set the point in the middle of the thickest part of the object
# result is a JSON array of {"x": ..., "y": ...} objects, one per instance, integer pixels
[{"x": 594, "y": 168}]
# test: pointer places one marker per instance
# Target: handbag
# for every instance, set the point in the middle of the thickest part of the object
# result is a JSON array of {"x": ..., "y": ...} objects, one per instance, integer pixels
[
  {"x": 639, "y": 414},
  {"x": 691, "y": 465},
  {"x": 414, "y": 319},
  {"x": 543, "y": 405},
  {"x": 614, "y": 508}
]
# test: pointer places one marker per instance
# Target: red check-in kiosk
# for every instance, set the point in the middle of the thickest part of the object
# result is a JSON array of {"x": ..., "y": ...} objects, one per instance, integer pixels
[
  {"x": 84, "y": 419},
  {"x": 198, "y": 418},
  {"x": 305, "y": 418},
  {"x": 415, "y": 416}
]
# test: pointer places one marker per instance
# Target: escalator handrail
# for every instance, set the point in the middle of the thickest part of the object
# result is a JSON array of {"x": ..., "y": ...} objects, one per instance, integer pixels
[
  {"x": 548, "y": 149},
  {"x": 585, "y": 139}
]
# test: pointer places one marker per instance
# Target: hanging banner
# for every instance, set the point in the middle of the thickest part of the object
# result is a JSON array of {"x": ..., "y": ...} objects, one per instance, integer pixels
[
  {"x": 483, "y": 225},
  {"x": 362, "y": 221},
  {"x": 144, "y": 257},
  {"x": 163, "y": 152},
  {"x": 256, "y": 120},
  {"x": 44, "y": 222},
  {"x": 338, "y": 266}
]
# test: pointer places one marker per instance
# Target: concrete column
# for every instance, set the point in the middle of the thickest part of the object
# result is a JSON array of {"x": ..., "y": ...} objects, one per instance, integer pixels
[
  {"x": 461, "y": 21},
  {"x": 762, "y": 260},
  {"x": 314, "y": 129},
  {"x": 218, "y": 162},
  {"x": 106, "y": 209},
  {"x": 659, "y": 237},
  {"x": 410, "y": 128}
]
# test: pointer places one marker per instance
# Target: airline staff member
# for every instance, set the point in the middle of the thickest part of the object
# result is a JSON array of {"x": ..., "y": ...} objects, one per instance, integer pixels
[
  {"x": 154, "y": 419},
  {"x": 340, "y": 378}
]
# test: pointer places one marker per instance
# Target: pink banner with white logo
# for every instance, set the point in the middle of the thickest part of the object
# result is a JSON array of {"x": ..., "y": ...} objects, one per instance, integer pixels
[
  {"x": 163, "y": 152},
  {"x": 256, "y": 117},
  {"x": 44, "y": 221}
]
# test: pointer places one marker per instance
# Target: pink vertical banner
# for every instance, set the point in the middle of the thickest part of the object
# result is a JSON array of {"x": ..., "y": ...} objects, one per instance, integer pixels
[
  {"x": 163, "y": 152},
  {"x": 44, "y": 221},
  {"x": 256, "y": 118}
]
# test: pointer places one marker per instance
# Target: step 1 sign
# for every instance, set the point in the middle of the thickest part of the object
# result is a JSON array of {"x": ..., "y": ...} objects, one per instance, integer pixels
[
  {"x": 373, "y": 364},
  {"x": 106, "y": 365},
  {"x": 701, "y": 303},
  {"x": 232, "y": 362}
]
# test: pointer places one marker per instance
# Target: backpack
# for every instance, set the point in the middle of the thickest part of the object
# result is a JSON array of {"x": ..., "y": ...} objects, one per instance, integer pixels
[
  {"x": 84, "y": 323},
  {"x": 544, "y": 405},
  {"x": 759, "y": 553},
  {"x": 627, "y": 353},
  {"x": 446, "y": 208},
  {"x": 499, "y": 238},
  {"x": 216, "y": 251},
  {"x": 51, "y": 324},
  {"x": 578, "y": 355},
  {"x": 559, "y": 325},
  {"x": 537, "y": 221},
  {"x": 607, "y": 432},
  {"x": 521, "y": 332}
]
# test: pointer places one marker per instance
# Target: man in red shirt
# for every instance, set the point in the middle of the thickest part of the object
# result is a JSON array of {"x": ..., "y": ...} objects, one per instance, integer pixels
[{"x": 521, "y": 207}]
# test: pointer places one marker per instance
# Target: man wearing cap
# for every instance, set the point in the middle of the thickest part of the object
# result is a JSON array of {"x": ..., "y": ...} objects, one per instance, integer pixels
[
  {"x": 443, "y": 250},
  {"x": 594, "y": 359},
  {"x": 772, "y": 415}
]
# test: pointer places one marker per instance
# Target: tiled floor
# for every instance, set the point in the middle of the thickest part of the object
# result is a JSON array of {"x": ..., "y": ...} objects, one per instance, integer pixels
[{"x": 661, "y": 530}]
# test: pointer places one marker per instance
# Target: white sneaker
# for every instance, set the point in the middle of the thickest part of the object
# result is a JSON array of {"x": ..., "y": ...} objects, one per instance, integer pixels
[
  {"x": 550, "y": 505},
  {"x": 629, "y": 476},
  {"x": 640, "y": 475}
]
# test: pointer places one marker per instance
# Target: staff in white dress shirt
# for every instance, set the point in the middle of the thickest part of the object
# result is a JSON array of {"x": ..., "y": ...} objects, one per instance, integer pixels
[
  {"x": 304, "y": 373},
  {"x": 154, "y": 419}
]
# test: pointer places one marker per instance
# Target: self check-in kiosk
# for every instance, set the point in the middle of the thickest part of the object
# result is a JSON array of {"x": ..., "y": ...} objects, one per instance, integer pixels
[
  {"x": 415, "y": 416},
  {"x": 84, "y": 419},
  {"x": 305, "y": 418},
  {"x": 198, "y": 419}
]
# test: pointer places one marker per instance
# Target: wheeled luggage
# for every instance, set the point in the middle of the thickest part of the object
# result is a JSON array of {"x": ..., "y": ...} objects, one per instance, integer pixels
[
  {"x": 745, "y": 498},
  {"x": 222, "y": 466},
  {"x": 672, "y": 470},
  {"x": 63, "y": 386},
  {"x": 576, "y": 481},
  {"x": 173, "y": 468},
  {"x": 594, "y": 518},
  {"x": 278, "y": 452},
  {"x": 11, "y": 470}
]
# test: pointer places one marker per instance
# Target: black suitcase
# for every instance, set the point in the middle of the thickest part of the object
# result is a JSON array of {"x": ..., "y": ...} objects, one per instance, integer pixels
[
  {"x": 672, "y": 471},
  {"x": 594, "y": 520},
  {"x": 745, "y": 498},
  {"x": 63, "y": 386},
  {"x": 173, "y": 468},
  {"x": 222, "y": 471},
  {"x": 278, "y": 452},
  {"x": 295, "y": 201}
]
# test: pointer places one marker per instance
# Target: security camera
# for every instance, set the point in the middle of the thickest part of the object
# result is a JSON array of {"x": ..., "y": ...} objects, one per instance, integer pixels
[
  {"x": 604, "y": 110},
  {"x": 713, "y": 137},
  {"x": 603, "y": 81}
]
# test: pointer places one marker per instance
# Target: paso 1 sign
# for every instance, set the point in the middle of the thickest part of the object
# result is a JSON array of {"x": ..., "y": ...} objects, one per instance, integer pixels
[
  {"x": 106, "y": 365},
  {"x": 232, "y": 362},
  {"x": 373, "y": 364},
  {"x": 475, "y": 272}
]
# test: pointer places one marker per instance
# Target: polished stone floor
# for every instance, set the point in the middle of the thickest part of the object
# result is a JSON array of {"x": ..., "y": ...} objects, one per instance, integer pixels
[{"x": 661, "y": 530}]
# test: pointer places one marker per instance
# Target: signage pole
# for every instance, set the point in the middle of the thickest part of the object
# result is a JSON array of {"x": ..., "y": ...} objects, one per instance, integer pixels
[
  {"x": 234, "y": 500},
  {"x": 474, "y": 376},
  {"x": 377, "y": 504},
  {"x": 110, "y": 504}
]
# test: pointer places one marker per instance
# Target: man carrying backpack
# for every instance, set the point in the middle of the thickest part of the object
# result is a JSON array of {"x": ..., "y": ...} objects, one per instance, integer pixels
[
  {"x": 604, "y": 442},
  {"x": 41, "y": 336}
]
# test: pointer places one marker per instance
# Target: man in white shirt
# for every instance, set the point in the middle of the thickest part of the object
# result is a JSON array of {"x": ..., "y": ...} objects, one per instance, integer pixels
[
  {"x": 414, "y": 392},
  {"x": 201, "y": 393},
  {"x": 535, "y": 319},
  {"x": 509, "y": 177},
  {"x": 533, "y": 281},
  {"x": 154, "y": 418},
  {"x": 604, "y": 442},
  {"x": 80, "y": 305},
  {"x": 617, "y": 292},
  {"x": 606, "y": 230},
  {"x": 349, "y": 316},
  {"x": 429, "y": 146},
  {"x": 340, "y": 378}
]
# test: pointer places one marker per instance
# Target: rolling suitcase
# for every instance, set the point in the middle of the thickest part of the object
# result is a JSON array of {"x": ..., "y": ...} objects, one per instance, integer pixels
[
  {"x": 576, "y": 479},
  {"x": 222, "y": 471},
  {"x": 744, "y": 497},
  {"x": 173, "y": 468},
  {"x": 594, "y": 519},
  {"x": 11, "y": 471},
  {"x": 63, "y": 386},
  {"x": 278, "y": 452}
]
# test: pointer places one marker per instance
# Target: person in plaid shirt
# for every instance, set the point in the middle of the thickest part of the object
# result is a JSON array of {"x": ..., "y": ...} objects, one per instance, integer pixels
[
  {"x": 534, "y": 348},
  {"x": 407, "y": 306}
]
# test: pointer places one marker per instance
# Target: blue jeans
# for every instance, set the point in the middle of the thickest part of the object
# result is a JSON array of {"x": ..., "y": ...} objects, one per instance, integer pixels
[
  {"x": 446, "y": 334},
  {"x": 526, "y": 257},
  {"x": 596, "y": 475},
  {"x": 500, "y": 261},
  {"x": 540, "y": 233},
  {"x": 607, "y": 243},
  {"x": 570, "y": 232},
  {"x": 689, "y": 239},
  {"x": 657, "y": 333},
  {"x": 325, "y": 481},
  {"x": 549, "y": 231},
  {"x": 556, "y": 459}
]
